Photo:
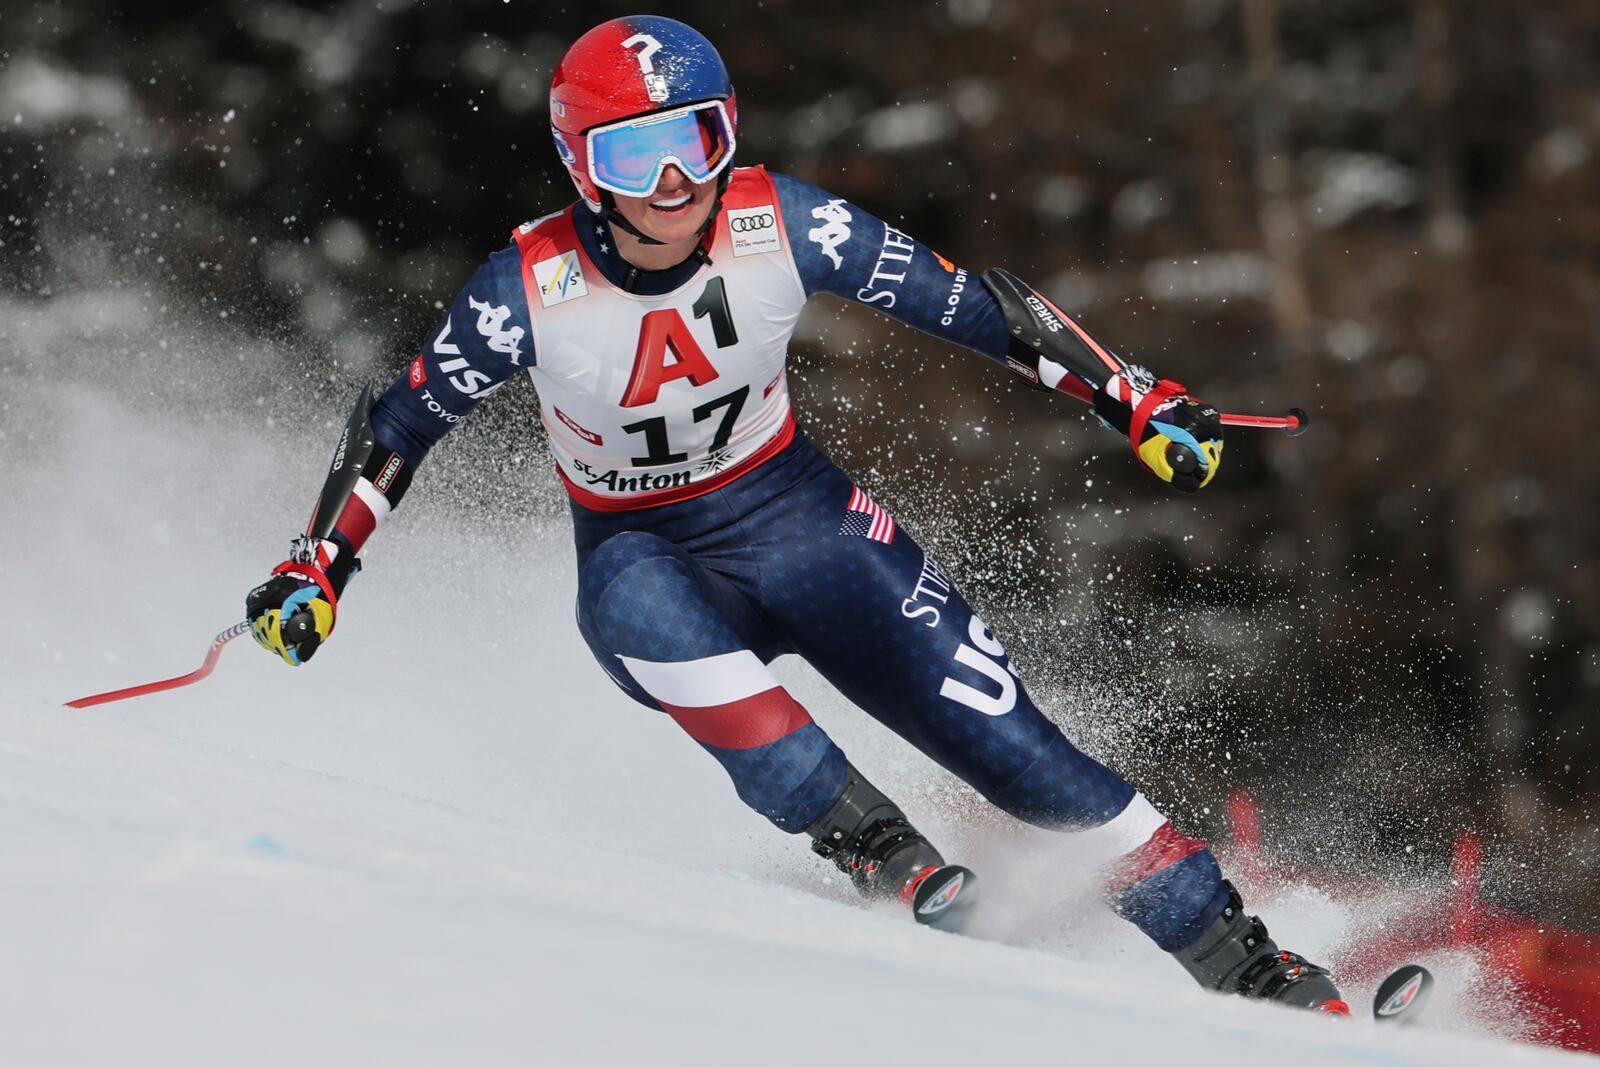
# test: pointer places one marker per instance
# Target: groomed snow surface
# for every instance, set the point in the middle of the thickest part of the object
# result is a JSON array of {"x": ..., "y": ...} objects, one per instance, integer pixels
[{"x": 449, "y": 840}]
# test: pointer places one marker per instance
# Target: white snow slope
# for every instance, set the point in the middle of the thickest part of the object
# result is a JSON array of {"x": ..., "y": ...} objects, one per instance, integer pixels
[{"x": 449, "y": 840}]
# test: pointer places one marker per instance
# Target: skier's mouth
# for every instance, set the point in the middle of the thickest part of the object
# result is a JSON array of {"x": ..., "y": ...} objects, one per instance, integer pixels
[{"x": 672, "y": 205}]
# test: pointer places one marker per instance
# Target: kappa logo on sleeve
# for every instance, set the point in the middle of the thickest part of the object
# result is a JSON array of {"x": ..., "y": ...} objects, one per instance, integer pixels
[
  {"x": 754, "y": 230},
  {"x": 559, "y": 279},
  {"x": 491, "y": 326},
  {"x": 834, "y": 231}
]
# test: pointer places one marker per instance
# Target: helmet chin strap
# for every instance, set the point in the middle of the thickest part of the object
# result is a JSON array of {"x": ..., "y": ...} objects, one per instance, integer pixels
[{"x": 608, "y": 211}]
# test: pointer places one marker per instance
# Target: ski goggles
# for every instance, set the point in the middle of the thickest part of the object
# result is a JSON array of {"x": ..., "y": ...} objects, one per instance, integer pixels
[{"x": 627, "y": 158}]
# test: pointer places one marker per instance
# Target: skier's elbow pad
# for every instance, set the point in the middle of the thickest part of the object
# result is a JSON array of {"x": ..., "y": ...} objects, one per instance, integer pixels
[{"x": 1046, "y": 348}]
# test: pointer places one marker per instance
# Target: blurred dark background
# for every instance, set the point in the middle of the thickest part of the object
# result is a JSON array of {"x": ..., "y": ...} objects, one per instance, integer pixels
[{"x": 1383, "y": 211}]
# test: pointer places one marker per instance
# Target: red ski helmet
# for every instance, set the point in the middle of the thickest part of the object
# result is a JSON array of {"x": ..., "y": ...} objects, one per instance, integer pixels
[{"x": 635, "y": 94}]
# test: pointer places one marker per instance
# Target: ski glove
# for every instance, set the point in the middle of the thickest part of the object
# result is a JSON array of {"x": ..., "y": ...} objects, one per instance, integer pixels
[
  {"x": 1175, "y": 437},
  {"x": 293, "y": 612}
]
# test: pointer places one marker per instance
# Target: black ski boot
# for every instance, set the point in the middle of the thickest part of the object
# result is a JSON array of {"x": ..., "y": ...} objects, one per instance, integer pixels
[
  {"x": 1235, "y": 955},
  {"x": 869, "y": 838}
]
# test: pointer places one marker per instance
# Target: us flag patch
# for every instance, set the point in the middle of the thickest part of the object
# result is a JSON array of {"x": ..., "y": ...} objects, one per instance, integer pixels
[{"x": 864, "y": 518}]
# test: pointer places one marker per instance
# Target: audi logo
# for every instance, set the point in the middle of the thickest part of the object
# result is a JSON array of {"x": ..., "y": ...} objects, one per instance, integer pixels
[{"x": 746, "y": 223}]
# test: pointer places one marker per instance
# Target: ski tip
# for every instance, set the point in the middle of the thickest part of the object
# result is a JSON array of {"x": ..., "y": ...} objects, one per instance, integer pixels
[
  {"x": 1402, "y": 996},
  {"x": 943, "y": 897}
]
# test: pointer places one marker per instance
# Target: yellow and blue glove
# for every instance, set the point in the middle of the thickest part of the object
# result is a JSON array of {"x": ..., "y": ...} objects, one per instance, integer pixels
[
  {"x": 292, "y": 613},
  {"x": 1175, "y": 437}
]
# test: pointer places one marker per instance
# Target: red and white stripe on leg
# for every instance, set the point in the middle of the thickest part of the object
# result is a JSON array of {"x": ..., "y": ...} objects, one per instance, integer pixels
[
  {"x": 1139, "y": 842},
  {"x": 730, "y": 701}
]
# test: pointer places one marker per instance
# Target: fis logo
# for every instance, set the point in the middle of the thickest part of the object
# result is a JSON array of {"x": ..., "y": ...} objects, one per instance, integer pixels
[
  {"x": 834, "y": 231},
  {"x": 491, "y": 321},
  {"x": 559, "y": 279}
]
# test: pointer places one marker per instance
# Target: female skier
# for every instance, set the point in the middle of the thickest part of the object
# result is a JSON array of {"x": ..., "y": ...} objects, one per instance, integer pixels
[{"x": 653, "y": 315}]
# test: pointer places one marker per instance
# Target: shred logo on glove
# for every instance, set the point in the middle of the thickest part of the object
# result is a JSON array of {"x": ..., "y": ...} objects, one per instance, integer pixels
[
  {"x": 491, "y": 323},
  {"x": 559, "y": 279},
  {"x": 1018, "y": 367},
  {"x": 834, "y": 231},
  {"x": 385, "y": 477}
]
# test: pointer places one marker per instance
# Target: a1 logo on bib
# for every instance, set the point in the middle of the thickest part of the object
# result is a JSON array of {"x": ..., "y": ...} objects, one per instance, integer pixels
[
  {"x": 559, "y": 279},
  {"x": 754, "y": 230}
]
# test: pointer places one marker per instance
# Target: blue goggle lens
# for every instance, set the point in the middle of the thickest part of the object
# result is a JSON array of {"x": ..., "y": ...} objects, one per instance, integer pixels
[{"x": 628, "y": 158}]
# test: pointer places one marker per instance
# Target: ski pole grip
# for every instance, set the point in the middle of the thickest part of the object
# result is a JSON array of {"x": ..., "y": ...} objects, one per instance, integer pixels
[{"x": 1181, "y": 458}]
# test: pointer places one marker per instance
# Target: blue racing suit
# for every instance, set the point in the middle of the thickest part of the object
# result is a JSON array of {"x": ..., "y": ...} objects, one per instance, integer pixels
[{"x": 712, "y": 536}]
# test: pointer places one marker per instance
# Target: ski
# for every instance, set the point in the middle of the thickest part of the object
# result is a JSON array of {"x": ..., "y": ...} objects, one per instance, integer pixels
[
  {"x": 1403, "y": 995},
  {"x": 942, "y": 897}
]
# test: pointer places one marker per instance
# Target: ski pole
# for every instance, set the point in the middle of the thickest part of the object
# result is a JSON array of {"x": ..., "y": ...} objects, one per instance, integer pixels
[
  {"x": 192, "y": 677},
  {"x": 349, "y": 460},
  {"x": 1294, "y": 423}
]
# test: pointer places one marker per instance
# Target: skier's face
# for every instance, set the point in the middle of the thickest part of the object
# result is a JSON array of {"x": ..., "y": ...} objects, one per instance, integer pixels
[{"x": 674, "y": 213}]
